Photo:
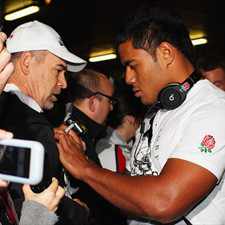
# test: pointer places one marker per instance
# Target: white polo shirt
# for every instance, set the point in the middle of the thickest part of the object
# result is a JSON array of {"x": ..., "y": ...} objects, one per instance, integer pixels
[{"x": 195, "y": 131}]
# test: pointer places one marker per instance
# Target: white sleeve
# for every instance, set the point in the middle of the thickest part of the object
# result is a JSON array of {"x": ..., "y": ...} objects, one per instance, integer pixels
[{"x": 203, "y": 141}]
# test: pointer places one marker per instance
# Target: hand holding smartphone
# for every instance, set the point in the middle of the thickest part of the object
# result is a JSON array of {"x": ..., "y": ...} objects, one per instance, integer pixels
[{"x": 21, "y": 161}]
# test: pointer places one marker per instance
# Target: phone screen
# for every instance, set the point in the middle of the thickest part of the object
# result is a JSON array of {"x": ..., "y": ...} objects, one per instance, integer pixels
[{"x": 15, "y": 161}]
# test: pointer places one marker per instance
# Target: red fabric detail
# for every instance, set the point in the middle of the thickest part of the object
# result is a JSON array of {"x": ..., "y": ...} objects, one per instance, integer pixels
[
  {"x": 9, "y": 207},
  {"x": 121, "y": 160}
]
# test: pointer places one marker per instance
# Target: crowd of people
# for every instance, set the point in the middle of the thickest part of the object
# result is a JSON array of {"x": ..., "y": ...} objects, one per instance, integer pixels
[{"x": 109, "y": 163}]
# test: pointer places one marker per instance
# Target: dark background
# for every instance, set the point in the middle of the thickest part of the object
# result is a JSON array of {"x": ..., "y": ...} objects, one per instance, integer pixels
[{"x": 86, "y": 25}]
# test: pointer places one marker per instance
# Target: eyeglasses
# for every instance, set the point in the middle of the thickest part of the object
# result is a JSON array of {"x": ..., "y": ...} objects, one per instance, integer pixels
[
  {"x": 112, "y": 100},
  {"x": 83, "y": 92}
]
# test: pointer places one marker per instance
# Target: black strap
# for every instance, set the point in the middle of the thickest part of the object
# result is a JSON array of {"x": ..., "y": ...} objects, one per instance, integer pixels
[
  {"x": 150, "y": 114},
  {"x": 148, "y": 133},
  {"x": 187, "y": 221}
]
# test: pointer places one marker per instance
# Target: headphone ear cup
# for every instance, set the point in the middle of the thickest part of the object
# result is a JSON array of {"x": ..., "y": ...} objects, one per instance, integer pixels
[{"x": 171, "y": 96}]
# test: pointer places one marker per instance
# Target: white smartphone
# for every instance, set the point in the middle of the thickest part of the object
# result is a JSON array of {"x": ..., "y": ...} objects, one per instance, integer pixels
[{"x": 21, "y": 161}]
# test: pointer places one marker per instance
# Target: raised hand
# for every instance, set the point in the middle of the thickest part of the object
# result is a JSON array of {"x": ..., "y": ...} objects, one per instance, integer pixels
[{"x": 50, "y": 197}]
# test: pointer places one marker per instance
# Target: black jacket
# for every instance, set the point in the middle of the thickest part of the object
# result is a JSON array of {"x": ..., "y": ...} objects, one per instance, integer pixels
[
  {"x": 101, "y": 211},
  {"x": 26, "y": 123}
]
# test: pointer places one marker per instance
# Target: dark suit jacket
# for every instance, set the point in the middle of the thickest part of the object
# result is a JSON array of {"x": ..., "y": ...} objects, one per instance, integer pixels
[
  {"x": 26, "y": 123},
  {"x": 102, "y": 212}
]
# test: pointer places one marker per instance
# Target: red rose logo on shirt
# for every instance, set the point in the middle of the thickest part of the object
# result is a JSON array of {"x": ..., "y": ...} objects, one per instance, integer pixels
[{"x": 207, "y": 144}]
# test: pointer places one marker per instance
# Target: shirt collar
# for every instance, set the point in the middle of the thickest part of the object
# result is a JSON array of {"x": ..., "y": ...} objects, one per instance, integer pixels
[{"x": 27, "y": 100}]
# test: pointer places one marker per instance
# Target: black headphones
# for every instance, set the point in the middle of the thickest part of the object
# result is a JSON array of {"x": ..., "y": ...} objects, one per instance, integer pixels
[{"x": 174, "y": 94}]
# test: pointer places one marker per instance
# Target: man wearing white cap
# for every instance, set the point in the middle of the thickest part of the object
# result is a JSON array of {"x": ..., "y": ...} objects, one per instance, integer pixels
[
  {"x": 35, "y": 42},
  {"x": 40, "y": 60}
]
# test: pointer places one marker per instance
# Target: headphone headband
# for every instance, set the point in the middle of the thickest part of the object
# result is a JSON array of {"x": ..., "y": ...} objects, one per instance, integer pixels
[
  {"x": 190, "y": 81},
  {"x": 174, "y": 94}
]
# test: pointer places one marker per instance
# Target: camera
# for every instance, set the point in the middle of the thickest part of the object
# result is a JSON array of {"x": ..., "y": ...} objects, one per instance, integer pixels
[
  {"x": 21, "y": 161},
  {"x": 76, "y": 126}
]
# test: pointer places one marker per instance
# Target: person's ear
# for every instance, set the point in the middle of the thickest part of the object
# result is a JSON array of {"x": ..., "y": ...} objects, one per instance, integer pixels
[
  {"x": 25, "y": 61},
  {"x": 92, "y": 103},
  {"x": 166, "y": 54}
]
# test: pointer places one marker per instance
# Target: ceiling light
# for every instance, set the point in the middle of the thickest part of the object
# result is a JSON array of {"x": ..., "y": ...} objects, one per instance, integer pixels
[
  {"x": 199, "y": 41},
  {"x": 198, "y": 37},
  {"x": 102, "y": 57},
  {"x": 107, "y": 54},
  {"x": 22, "y": 12},
  {"x": 14, "y": 9}
]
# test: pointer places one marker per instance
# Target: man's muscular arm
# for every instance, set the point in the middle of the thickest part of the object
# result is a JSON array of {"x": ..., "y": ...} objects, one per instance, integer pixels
[{"x": 164, "y": 198}]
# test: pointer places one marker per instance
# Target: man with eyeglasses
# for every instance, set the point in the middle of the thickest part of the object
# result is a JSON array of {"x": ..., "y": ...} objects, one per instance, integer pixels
[{"x": 91, "y": 96}]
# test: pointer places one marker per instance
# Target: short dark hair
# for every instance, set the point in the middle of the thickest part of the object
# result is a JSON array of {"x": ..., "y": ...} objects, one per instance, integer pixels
[
  {"x": 83, "y": 84},
  {"x": 150, "y": 26},
  {"x": 210, "y": 62}
]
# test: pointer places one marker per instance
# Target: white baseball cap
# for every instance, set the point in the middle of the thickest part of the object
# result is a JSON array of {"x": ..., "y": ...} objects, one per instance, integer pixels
[{"x": 35, "y": 35}]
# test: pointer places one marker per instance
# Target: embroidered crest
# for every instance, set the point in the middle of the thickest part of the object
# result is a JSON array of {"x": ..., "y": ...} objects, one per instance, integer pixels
[{"x": 207, "y": 144}]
